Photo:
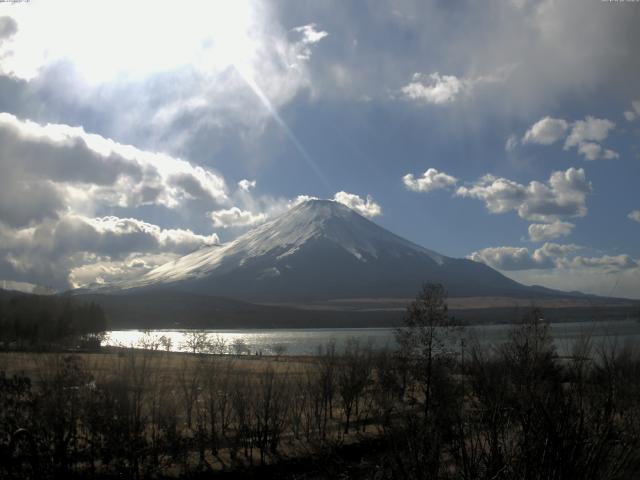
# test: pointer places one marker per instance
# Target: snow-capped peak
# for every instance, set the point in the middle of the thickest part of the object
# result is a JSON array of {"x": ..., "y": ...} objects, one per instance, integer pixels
[{"x": 314, "y": 220}]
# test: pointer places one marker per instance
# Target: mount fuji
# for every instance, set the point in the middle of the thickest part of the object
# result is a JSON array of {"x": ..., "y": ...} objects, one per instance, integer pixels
[
  {"x": 321, "y": 250},
  {"x": 322, "y": 264}
]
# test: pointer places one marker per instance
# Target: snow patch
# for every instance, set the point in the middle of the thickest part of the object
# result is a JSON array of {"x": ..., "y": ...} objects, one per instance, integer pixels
[{"x": 285, "y": 237}]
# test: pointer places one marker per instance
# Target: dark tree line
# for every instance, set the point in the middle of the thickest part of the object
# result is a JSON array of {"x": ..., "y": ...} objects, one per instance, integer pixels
[
  {"x": 28, "y": 321},
  {"x": 514, "y": 411}
]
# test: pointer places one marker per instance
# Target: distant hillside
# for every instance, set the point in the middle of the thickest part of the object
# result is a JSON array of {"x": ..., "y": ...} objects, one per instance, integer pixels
[{"x": 174, "y": 309}]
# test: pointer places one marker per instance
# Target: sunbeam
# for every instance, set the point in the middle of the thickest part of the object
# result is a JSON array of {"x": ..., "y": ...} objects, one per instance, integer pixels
[{"x": 246, "y": 76}]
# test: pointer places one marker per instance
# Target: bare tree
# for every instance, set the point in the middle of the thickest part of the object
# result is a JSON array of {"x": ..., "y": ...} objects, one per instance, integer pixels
[
  {"x": 189, "y": 386},
  {"x": 166, "y": 343},
  {"x": 353, "y": 375},
  {"x": 218, "y": 376},
  {"x": 425, "y": 336},
  {"x": 148, "y": 341},
  {"x": 417, "y": 442},
  {"x": 242, "y": 404},
  {"x": 239, "y": 346},
  {"x": 270, "y": 409},
  {"x": 196, "y": 341},
  {"x": 217, "y": 345}
]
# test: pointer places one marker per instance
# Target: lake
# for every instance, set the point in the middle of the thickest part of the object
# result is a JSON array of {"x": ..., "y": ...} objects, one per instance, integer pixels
[{"x": 306, "y": 341}]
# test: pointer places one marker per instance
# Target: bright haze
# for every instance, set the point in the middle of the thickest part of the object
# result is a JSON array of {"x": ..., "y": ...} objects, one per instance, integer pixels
[{"x": 503, "y": 132}]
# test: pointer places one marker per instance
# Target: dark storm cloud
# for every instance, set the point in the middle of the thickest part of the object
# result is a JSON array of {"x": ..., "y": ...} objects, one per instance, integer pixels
[
  {"x": 55, "y": 177},
  {"x": 22, "y": 203},
  {"x": 190, "y": 185},
  {"x": 117, "y": 237},
  {"x": 67, "y": 159},
  {"x": 97, "y": 168},
  {"x": 52, "y": 250}
]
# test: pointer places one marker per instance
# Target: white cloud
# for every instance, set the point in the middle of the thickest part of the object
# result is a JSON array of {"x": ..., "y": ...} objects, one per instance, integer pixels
[
  {"x": 430, "y": 180},
  {"x": 499, "y": 194},
  {"x": 555, "y": 250},
  {"x": 53, "y": 168},
  {"x": 235, "y": 217},
  {"x": 112, "y": 230},
  {"x": 539, "y": 232},
  {"x": 55, "y": 181},
  {"x": 366, "y": 208},
  {"x": 585, "y": 135},
  {"x": 246, "y": 185},
  {"x": 505, "y": 258},
  {"x": 49, "y": 252},
  {"x": 265, "y": 208},
  {"x": 590, "y": 129},
  {"x": 564, "y": 195},
  {"x": 606, "y": 263},
  {"x": 104, "y": 271},
  {"x": 115, "y": 236},
  {"x": 282, "y": 205},
  {"x": 271, "y": 207},
  {"x": 557, "y": 266},
  {"x": 254, "y": 210},
  {"x": 310, "y": 35},
  {"x": 434, "y": 88},
  {"x": 546, "y": 131},
  {"x": 520, "y": 258},
  {"x": 590, "y": 150},
  {"x": 634, "y": 215},
  {"x": 206, "y": 37},
  {"x": 634, "y": 113},
  {"x": 511, "y": 143},
  {"x": 201, "y": 69},
  {"x": 593, "y": 151},
  {"x": 440, "y": 89},
  {"x": 301, "y": 199}
]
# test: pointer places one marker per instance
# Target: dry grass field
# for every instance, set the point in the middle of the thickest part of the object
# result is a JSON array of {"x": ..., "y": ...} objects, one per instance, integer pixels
[
  {"x": 169, "y": 365},
  {"x": 177, "y": 414}
]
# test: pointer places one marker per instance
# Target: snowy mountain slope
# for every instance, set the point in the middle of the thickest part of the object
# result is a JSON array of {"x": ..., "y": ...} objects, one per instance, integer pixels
[
  {"x": 308, "y": 222},
  {"x": 321, "y": 249}
]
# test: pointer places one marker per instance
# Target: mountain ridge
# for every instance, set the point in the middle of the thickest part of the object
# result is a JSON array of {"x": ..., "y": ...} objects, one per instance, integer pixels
[{"x": 321, "y": 249}]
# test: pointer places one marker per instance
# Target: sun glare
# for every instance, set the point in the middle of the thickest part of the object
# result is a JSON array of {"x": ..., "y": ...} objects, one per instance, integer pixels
[{"x": 107, "y": 41}]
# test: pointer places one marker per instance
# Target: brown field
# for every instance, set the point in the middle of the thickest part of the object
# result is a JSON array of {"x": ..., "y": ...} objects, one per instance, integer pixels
[
  {"x": 37, "y": 365},
  {"x": 226, "y": 411}
]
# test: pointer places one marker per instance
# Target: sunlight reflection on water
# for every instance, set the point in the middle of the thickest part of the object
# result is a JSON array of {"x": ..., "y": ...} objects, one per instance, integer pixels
[{"x": 307, "y": 341}]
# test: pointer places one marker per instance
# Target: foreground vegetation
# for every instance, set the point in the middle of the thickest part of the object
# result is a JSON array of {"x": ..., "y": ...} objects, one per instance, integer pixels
[{"x": 427, "y": 410}]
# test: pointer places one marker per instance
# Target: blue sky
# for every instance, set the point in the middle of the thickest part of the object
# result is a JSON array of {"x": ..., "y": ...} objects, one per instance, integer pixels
[{"x": 504, "y": 131}]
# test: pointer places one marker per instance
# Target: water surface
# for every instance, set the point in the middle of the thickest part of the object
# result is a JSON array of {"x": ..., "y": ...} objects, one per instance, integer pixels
[{"x": 307, "y": 341}]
